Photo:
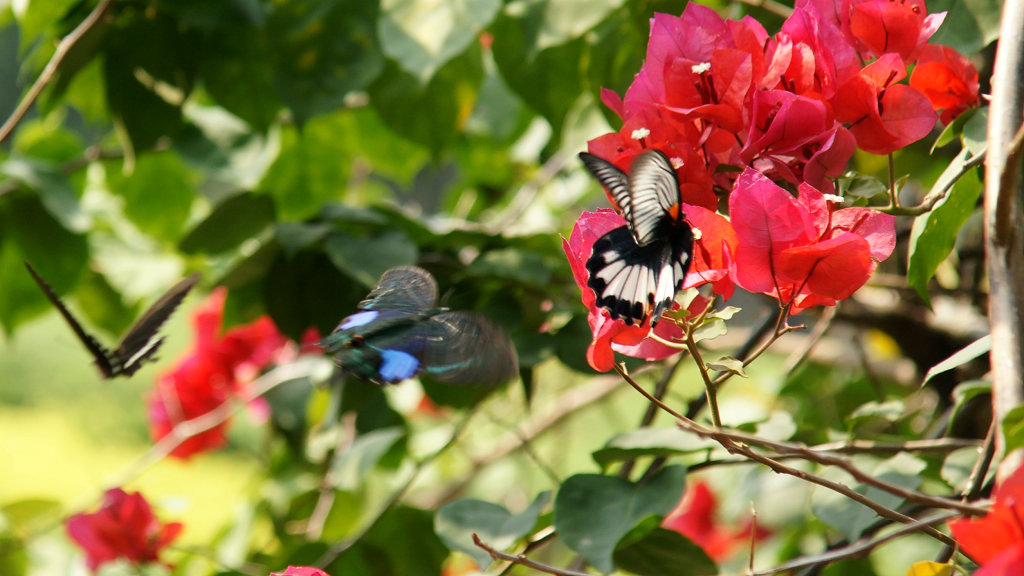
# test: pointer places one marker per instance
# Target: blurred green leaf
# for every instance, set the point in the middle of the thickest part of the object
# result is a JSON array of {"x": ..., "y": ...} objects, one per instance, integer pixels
[
  {"x": 351, "y": 466},
  {"x": 933, "y": 234},
  {"x": 401, "y": 543},
  {"x": 457, "y": 521},
  {"x": 657, "y": 442},
  {"x": 662, "y": 552},
  {"x": 54, "y": 189},
  {"x": 233, "y": 221},
  {"x": 322, "y": 51},
  {"x": 964, "y": 355},
  {"x": 593, "y": 512},
  {"x": 1013, "y": 428},
  {"x": 365, "y": 259},
  {"x": 102, "y": 306},
  {"x": 157, "y": 194},
  {"x": 970, "y": 25},
  {"x": 422, "y": 35},
  {"x": 511, "y": 264}
]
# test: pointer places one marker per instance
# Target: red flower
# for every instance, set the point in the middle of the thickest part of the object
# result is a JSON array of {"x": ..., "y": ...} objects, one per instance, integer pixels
[
  {"x": 947, "y": 79},
  {"x": 610, "y": 334},
  {"x": 214, "y": 373},
  {"x": 883, "y": 115},
  {"x": 695, "y": 519},
  {"x": 800, "y": 250},
  {"x": 123, "y": 527},
  {"x": 713, "y": 247},
  {"x": 886, "y": 27},
  {"x": 301, "y": 571},
  {"x": 997, "y": 540}
]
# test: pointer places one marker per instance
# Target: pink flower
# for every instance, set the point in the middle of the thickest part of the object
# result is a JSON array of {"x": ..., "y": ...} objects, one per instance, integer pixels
[
  {"x": 997, "y": 540},
  {"x": 695, "y": 519},
  {"x": 214, "y": 373},
  {"x": 123, "y": 527},
  {"x": 800, "y": 250},
  {"x": 301, "y": 571}
]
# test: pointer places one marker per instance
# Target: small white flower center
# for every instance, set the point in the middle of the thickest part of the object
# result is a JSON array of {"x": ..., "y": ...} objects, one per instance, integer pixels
[
  {"x": 701, "y": 68},
  {"x": 677, "y": 162},
  {"x": 834, "y": 198},
  {"x": 641, "y": 133},
  {"x": 697, "y": 234}
]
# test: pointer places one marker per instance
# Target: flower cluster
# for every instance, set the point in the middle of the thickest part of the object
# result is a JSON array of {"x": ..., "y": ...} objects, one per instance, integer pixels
[
  {"x": 124, "y": 527},
  {"x": 215, "y": 372},
  {"x": 754, "y": 116}
]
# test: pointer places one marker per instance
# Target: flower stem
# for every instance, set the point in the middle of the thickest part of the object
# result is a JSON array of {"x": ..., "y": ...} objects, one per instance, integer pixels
[{"x": 709, "y": 387}]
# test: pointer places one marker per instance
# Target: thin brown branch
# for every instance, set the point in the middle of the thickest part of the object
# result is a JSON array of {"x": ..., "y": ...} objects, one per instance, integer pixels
[
  {"x": 521, "y": 560},
  {"x": 859, "y": 548},
  {"x": 63, "y": 48}
]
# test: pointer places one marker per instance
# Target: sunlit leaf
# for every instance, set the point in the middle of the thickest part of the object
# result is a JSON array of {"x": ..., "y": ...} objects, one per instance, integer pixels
[
  {"x": 963, "y": 356},
  {"x": 232, "y": 221},
  {"x": 658, "y": 442}
]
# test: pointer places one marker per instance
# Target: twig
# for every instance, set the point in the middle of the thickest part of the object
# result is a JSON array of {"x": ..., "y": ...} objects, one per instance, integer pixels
[
  {"x": 797, "y": 358},
  {"x": 524, "y": 561},
  {"x": 860, "y": 547},
  {"x": 660, "y": 389},
  {"x": 736, "y": 443},
  {"x": 933, "y": 198},
  {"x": 63, "y": 48}
]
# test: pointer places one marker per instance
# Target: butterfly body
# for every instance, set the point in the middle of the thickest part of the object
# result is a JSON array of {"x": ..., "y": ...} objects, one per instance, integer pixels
[
  {"x": 636, "y": 270},
  {"x": 142, "y": 341},
  {"x": 401, "y": 333}
]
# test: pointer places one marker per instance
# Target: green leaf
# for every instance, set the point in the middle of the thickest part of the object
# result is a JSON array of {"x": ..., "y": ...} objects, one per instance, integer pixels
[
  {"x": 664, "y": 552},
  {"x": 432, "y": 114},
  {"x": 657, "y": 442},
  {"x": 401, "y": 543},
  {"x": 288, "y": 402},
  {"x": 970, "y": 25},
  {"x": 593, "y": 512},
  {"x": 294, "y": 237},
  {"x": 321, "y": 51},
  {"x": 934, "y": 234},
  {"x": 711, "y": 328},
  {"x": 511, "y": 264},
  {"x": 727, "y": 364},
  {"x": 351, "y": 466},
  {"x": 973, "y": 350},
  {"x": 963, "y": 393},
  {"x": 1013, "y": 429},
  {"x": 157, "y": 194},
  {"x": 54, "y": 189},
  {"x": 365, "y": 259},
  {"x": 232, "y": 157},
  {"x": 421, "y": 35},
  {"x": 456, "y": 522},
  {"x": 233, "y": 221}
]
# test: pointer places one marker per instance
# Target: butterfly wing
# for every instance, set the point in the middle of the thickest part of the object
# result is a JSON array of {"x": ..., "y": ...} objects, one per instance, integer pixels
[
  {"x": 100, "y": 354},
  {"x": 634, "y": 282},
  {"x": 654, "y": 192},
  {"x": 403, "y": 288},
  {"x": 141, "y": 342},
  {"x": 466, "y": 348},
  {"x": 612, "y": 178}
]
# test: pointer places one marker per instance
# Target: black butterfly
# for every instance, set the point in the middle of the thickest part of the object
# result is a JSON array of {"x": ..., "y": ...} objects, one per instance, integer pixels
[
  {"x": 637, "y": 269},
  {"x": 400, "y": 333},
  {"x": 139, "y": 344}
]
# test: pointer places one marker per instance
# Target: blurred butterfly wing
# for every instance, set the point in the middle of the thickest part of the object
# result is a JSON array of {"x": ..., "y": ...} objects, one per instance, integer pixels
[
  {"x": 100, "y": 354},
  {"x": 141, "y": 341},
  {"x": 613, "y": 179},
  {"x": 654, "y": 191},
  {"x": 403, "y": 288},
  {"x": 633, "y": 282},
  {"x": 465, "y": 348}
]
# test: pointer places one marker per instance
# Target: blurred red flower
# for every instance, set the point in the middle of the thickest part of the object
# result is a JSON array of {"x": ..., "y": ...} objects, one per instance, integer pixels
[
  {"x": 123, "y": 527},
  {"x": 695, "y": 519},
  {"x": 214, "y": 372},
  {"x": 997, "y": 540}
]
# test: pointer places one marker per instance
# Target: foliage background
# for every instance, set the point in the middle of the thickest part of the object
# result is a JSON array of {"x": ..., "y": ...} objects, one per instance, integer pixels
[{"x": 294, "y": 150}]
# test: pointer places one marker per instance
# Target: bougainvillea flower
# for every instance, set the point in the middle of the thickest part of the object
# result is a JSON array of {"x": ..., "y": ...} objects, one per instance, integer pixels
[
  {"x": 800, "y": 250},
  {"x": 301, "y": 571},
  {"x": 884, "y": 27},
  {"x": 997, "y": 540},
  {"x": 947, "y": 79},
  {"x": 610, "y": 334},
  {"x": 713, "y": 248},
  {"x": 810, "y": 56},
  {"x": 715, "y": 90},
  {"x": 884, "y": 116},
  {"x": 124, "y": 527},
  {"x": 214, "y": 373},
  {"x": 695, "y": 519}
]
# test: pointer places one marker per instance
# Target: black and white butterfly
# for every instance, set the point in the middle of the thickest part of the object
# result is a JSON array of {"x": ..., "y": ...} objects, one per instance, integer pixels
[
  {"x": 139, "y": 344},
  {"x": 637, "y": 269}
]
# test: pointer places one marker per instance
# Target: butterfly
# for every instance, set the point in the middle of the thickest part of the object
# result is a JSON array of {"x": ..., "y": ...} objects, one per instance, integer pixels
[
  {"x": 139, "y": 344},
  {"x": 400, "y": 333},
  {"x": 636, "y": 270}
]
